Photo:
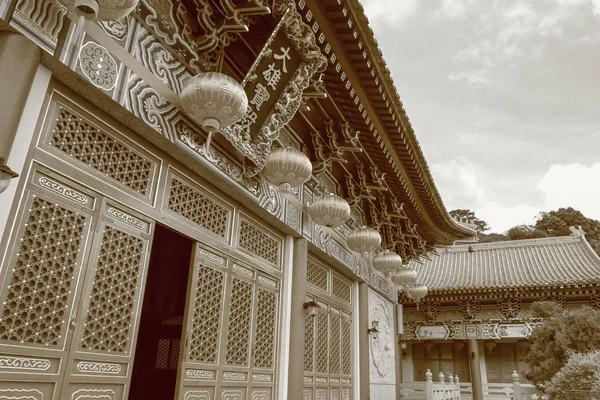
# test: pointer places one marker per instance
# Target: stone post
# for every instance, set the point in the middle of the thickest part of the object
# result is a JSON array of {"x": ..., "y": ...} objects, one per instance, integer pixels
[
  {"x": 476, "y": 382},
  {"x": 364, "y": 373},
  {"x": 297, "y": 312},
  {"x": 516, "y": 386},
  {"x": 429, "y": 385}
]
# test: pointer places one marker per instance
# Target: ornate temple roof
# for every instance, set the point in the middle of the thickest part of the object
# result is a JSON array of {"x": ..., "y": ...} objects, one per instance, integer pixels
[{"x": 547, "y": 262}]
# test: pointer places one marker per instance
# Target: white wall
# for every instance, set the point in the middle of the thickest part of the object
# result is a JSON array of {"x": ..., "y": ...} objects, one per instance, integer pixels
[{"x": 382, "y": 352}]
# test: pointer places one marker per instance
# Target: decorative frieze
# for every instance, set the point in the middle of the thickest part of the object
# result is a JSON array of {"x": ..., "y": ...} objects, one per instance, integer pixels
[
  {"x": 23, "y": 363},
  {"x": 98, "y": 367},
  {"x": 200, "y": 374},
  {"x": 63, "y": 190},
  {"x": 124, "y": 217}
]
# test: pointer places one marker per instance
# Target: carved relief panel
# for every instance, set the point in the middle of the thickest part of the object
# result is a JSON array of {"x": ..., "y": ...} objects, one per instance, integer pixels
[
  {"x": 230, "y": 330},
  {"x": 382, "y": 352}
]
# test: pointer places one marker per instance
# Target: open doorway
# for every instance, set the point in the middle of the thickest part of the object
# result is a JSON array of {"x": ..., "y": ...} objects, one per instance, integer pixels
[{"x": 157, "y": 353}]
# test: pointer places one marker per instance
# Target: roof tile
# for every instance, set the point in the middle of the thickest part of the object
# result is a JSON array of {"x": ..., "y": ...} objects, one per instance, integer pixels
[{"x": 565, "y": 260}]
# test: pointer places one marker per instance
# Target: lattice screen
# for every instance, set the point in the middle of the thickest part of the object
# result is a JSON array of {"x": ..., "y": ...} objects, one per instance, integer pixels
[
  {"x": 256, "y": 241},
  {"x": 317, "y": 275},
  {"x": 83, "y": 141},
  {"x": 204, "y": 343},
  {"x": 265, "y": 329},
  {"x": 199, "y": 208},
  {"x": 238, "y": 339},
  {"x": 328, "y": 336},
  {"x": 109, "y": 316},
  {"x": 36, "y": 304}
]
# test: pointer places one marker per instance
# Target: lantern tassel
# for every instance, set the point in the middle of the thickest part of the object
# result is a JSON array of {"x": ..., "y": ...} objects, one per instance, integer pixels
[
  {"x": 207, "y": 152},
  {"x": 78, "y": 33}
]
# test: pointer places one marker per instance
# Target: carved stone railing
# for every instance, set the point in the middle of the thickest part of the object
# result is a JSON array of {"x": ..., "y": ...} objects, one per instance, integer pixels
[
  {"x": 442, "y": 389},
  {"x": 511, "y": 391}
]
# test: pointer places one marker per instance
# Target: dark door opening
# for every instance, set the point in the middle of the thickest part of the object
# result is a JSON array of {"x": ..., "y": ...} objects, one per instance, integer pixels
[{"x": 158, "y": 345}]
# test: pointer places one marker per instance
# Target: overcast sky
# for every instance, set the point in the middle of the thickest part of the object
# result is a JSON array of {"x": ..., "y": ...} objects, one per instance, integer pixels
[{"x": 504, "y": 97}]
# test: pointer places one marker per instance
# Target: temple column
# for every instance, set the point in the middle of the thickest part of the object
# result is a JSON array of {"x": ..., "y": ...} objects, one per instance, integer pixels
[
  {"x": 474, "y": 363},
  {"x": 295, "y": 373},
  {"x": 363, "y": 373},
  {"x": 23, "y": 84}
]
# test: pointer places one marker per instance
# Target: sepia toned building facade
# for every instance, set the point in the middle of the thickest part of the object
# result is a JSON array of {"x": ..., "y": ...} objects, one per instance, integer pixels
[
  {"x": 142, "y": 257},
  {"x": 476, "y": 320}
]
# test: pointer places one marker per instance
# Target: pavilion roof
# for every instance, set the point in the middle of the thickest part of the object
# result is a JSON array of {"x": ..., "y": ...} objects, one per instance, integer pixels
[{"x": 545, "y": 262}]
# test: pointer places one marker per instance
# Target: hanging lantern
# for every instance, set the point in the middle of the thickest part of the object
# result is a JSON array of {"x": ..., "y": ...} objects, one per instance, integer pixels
[
  {"x": 416, "y": 292},
  {"x": 100, "y": 10},
  {"x": 387, "y": 262},
  {"x": 364, "y": 240},
  {"x": 330, "y": 211},
  {"x": 287, "y": 168},
  {"x": 405, "y": 277},
  {"x": 214, "y": 101}
]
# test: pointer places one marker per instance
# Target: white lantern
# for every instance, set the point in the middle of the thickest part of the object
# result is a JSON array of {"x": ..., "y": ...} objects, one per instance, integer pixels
[
  {"x": 405, "y": 276},
  {"x": 387, "y": 262},
  {"x": 416, "y": 292},
  {"x": 363, "y": 240},
  {"x": 214, "y": 101},
  {"x": 287, "y": 168},
  {"x": 330, "y": 211}
]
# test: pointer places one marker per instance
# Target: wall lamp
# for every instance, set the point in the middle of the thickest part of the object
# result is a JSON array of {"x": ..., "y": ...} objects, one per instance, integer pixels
[
  {"x": 312, "y": 307},
  {"x": 373, "y": 331}
]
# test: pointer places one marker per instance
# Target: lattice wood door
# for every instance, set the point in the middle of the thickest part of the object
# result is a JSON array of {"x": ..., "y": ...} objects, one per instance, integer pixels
[
  {"x": 105, "y": 325},
  {"x": 73, "y": 257},
  {"x": 230, "y": 331},
  {"x": 40, "y": 283}
]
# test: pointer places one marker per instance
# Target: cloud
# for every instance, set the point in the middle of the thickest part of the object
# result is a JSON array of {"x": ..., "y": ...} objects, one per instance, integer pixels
[
  {"x": 452, "y": 9},
  {"x": 572, "y": 185},
  {"x": 389, "y": 11},
  {"x": 474, "y": 78},
  {"x": 465, "y": 184}
]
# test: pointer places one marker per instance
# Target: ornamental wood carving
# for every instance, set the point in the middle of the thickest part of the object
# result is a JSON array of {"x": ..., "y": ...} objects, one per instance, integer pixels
[{"x": 256, "y": 147}]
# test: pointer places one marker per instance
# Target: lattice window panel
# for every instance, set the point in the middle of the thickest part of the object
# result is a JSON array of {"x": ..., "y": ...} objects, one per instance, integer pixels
[
  {"x": 322, "y": 344},
  {"x": 468, "y": 309},
  {"x": 334, "y": 345},
  {"x": 316, "y": 275},
  {"x": 265, "y": 329},
  {"x": 162, "y": 354},
  {"x": 36, "y": 306},
  {"x": 194, "y": 205},
  {"x": 509, "y": 307},
  {"x": 84, "y": 142},
  {"x": 309, "y": 343},
  {"x": 204, "y": 343},
  {"x": 109, "y": 315},
  {"x": 341, "y": 289},
  {"x": 346, "y": 346},
  {"x": 258, "y": 242},
  {"x": 174, "y": 364},
  {"x": 238, "y": 336}
]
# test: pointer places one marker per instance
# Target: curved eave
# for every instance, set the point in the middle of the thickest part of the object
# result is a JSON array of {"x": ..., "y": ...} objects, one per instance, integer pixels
[{"x": 362, "y": 64}]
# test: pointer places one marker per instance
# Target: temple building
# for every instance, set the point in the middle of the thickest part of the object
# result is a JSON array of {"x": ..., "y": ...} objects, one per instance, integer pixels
[
  {"x": 476, "y": 320},
  {"x": 211, "y": 200}
]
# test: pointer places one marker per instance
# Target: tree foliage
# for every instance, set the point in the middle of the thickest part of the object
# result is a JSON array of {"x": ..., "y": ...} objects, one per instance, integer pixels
[
  {"x": 465, "y": 215},
  {"x": 580, "y": 373},
  {"x": 558, "y": 222},
  {"x": 562, "y": 334},
  {"x": 525, "y": 232}
]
